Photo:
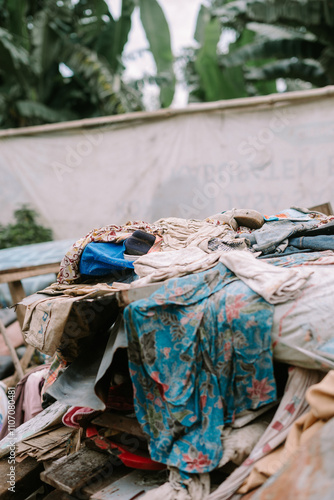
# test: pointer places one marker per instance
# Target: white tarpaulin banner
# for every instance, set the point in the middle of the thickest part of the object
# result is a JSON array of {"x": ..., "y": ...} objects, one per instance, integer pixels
[{"x": 264, "y": 153}]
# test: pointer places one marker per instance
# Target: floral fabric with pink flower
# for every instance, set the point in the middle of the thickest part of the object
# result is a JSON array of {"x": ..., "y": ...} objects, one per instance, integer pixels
[{"x": 199, "y": 353}]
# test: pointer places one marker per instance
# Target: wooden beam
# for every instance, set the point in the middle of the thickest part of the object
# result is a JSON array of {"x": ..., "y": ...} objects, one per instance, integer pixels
[
  {"x": 26, "y": 358},
  {"x": 19, "y": 273},
  {"x": 119, "y": 423},
  {"x": 325, "y": 208},
  {"x": 12, "y": 351},
  {"x": 73, "y": 473},
  {"x": 17, "y": 292},
  {"x": 58, "y": 495}
]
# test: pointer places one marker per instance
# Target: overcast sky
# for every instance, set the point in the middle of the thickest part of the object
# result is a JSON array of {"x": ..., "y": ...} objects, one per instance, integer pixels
[{"x": 181, "y": 16}]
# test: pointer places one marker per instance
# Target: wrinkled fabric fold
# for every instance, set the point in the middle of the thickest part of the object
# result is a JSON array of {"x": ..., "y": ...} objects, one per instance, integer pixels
[
  {"x": 292, "y": 406},
  {"x": 196, "y": 487},
  {"x": 156, "y": 267},
  {"x": 274, "y": 284}
]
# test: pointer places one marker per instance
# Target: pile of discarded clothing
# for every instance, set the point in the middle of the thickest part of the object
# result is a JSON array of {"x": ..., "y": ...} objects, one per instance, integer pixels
[{"x": 212, "y": 339}]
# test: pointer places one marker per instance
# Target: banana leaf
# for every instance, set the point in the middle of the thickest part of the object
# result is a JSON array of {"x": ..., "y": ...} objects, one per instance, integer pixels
[
  {"x": 215, "y": 83},
  {"x": 280, "y": 49},
  {"x": 32, "y": 109},
  {"x": 310, "y": 71},
  {"x": 114, "y": 35},
  {"x": 46, "y": 44},
  {"x": 293, "y": 12},
  {"x": 12, "y": 54},
  {"x": 203, "y": 18},
  {"x": 16, "y": 17},
  {"x": 158, "y": 36}
]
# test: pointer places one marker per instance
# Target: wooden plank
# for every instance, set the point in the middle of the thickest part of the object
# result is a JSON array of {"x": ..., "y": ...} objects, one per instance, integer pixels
[
  {"x": 58, "y": 495},
  {"x": 325, "y": 208},
  {"x": 19, "y": 273},
  {"x": 12, "y": 380},
  {"x": 25, "y": 360},
  {"x": 17, "y": 292},
  {"x": 72, "y": 473},
  {"x": 12, "y": 351},
  {"x": 27, "y": 478},
  {"x": 119, "y": 423},
  {"x": 104, "y": 480},
  {"x": 20, "y": 365},
  {"x": 132, "y": 486}
]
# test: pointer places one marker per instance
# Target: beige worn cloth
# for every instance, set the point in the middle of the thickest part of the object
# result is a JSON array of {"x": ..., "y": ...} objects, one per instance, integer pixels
[
  {"x": 84, "y": 289},
  {"x": 44, "y": 322},
  {"x": 241, "y": 436},
  {"x": 196, "y": 487},
  {"x": 292, "y": 406},
  {"x": 181, "y": 233},
  {"x": 161, "y": 266},
  {"x": 321, "y": 400},
  {"x": 238, "y": 443},
  {"x": 275, "y": 284},
  {"x": 45, "y": 319}
]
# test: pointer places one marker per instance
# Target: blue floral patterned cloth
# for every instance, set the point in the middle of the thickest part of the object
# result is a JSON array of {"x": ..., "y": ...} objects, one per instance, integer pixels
[
  {"x": 298, "y": 259},
  {"x": 199, "y": 353}
]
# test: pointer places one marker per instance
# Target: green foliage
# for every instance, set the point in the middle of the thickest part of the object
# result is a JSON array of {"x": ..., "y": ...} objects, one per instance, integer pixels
[
  {"x": 38, "y": 39},
  {"x": 158, "y": 36},
  {"x": 217, "y": 84},
  {"x": 24, "y": 231},
  {"x": 273, "y": 39}
]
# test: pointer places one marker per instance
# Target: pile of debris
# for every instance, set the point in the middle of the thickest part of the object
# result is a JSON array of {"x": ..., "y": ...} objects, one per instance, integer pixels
[{"x": 199, "y": 347}]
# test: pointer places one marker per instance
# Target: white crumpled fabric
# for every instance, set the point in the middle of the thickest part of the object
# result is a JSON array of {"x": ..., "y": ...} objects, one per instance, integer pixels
[
  {"x": 181, "y": 233},
  {"x": 195, "y": 488},
  {"x": 154, "y": 267},
  {"x": 274, "y": 284}
]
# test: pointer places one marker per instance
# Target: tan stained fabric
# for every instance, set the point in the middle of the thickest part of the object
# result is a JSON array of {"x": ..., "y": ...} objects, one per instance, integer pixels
[
  {"x": 321, "y": 400},
  {"x": 292, "y": 406},
  {"x": 182, "y": 233},
  {"x": 161, "y": 266},
  {"x": 44, "y": 322},
  {"x": 238, "y": 443},
  {"x": 91, "y": 290},
  {"x": 197, "y": 487},
  {"x": 275, "y": 284},
  {"x": 45, "y": 319}
]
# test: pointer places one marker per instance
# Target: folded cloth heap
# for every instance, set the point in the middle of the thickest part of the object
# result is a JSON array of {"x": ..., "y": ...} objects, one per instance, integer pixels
[{"x": 275, "y": 284}]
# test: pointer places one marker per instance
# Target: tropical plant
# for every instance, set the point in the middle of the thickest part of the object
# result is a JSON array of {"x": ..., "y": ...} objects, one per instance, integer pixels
[
  {"x": 24, "y": 230},
  {"x": 62, "y": 59},
  {"x": 291, "y": 42}
]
